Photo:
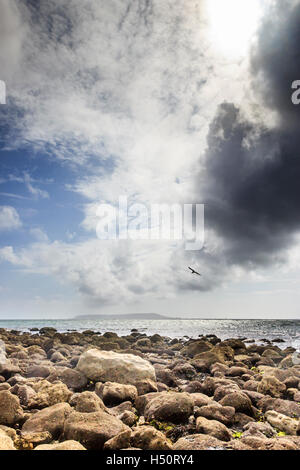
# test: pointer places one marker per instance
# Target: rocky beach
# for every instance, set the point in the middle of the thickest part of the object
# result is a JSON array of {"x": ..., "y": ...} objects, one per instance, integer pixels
[{"x": 93, "y": 391}]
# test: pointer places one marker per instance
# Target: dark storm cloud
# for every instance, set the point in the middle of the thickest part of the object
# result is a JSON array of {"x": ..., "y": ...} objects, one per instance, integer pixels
[{"x": 251, "y": 182}]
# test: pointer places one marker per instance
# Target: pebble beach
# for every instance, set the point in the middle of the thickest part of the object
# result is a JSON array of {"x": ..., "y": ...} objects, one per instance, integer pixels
[{"x": 92, "y": 391}]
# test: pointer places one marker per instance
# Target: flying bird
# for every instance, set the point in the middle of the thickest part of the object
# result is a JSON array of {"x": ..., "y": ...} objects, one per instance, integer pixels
[{"x": 194, "y": 272}]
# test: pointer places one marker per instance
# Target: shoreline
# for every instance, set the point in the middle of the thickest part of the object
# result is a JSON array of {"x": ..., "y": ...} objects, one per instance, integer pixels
[{"x": 87, "y": 390}]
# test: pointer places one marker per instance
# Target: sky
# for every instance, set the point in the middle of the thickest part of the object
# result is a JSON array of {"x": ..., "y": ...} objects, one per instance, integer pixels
[{"x": 161, "y": 102}]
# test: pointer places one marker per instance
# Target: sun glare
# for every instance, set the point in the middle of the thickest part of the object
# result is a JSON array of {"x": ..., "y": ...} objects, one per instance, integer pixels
[{"x": 232, "y": 25}]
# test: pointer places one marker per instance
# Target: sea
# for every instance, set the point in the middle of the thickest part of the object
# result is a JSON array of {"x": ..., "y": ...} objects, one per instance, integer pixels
[{"x": 259, "y": 330}]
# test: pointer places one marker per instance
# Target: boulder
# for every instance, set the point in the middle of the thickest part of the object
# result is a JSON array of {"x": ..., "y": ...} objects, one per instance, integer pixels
[
  {"x": 171, "y": 407},
  {"x": 146, "y": 386},
  {"x": 66, "y": 445},
  {"x": 196, "y": 347},
  {"x": 224, "y": 414},
  {"x": 239, "y": 401},
  {"x": 73, "y": 379},
  {"x": 50, "y": 419},
  {"x": 269, "y": 385},
  {"x": 285, "y": 407},
  {"x": 121, "y": 441},
  {"x": 198, "y": 442},
  {"x": 92, "y": 429},
  {"x": 149, "y": 438},
  {"x": 48, "y": 394},
  {"x": 282, "y": 422},
  {"x": 6, "y": 442},
  {"x": 199, "y": 399},
  {"x": 114, "y": 393},
  {"x": 41, "y": 371},
  {"x": 213, "y": 428},
  {"x": 87, "y": 402},
  {"x": 259, "y": 429},
  {"x": 10, "y": 409},
  {"x": 103, "y": 366}
]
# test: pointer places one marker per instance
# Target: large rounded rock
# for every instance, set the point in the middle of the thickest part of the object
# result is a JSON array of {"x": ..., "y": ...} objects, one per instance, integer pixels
[
  {"x": 87, "y": 402},
  {"x": 73, "y": 379},
  {"x": 92, "y": 430},
  {"x": 239, "y": 401},
  {"x": 213, "y": 428},
  {"x": 271, "y": 386},
  {"x": 105, "y": 366},
  {"x": 48, "y": 394},
  {"x": 6, "y": 442},
  {"x": 282, "y": 422},
  {"x": 149, "y": 438},
  {"x": 224, "y": 414},
  {"x": 10, "y": 409},
  {"x": 196, "y": 347},
  {"x": 114, "y": 393},
  {"x": 198, "y": 442},
  {"x": 171, "y": 407},
  {"x": 66, "y": 445},
  {"x": 50, "y": 419}
]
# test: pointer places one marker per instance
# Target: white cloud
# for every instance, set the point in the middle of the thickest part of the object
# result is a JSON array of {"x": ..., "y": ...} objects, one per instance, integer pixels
[
  {"x": 125, "y": 90},
  {"x": 9, "y": 218}
]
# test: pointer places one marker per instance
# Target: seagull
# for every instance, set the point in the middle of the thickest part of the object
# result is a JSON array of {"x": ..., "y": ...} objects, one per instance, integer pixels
[{"x": 194, "y": 272}]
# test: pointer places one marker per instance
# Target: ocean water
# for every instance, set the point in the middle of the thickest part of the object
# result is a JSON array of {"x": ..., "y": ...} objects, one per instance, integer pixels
[{"x": 288, "y": 330}]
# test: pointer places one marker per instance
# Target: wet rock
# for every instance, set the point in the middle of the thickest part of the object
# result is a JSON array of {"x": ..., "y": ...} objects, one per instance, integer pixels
[
  {"x": 213, "y": 428},
  {"x": 92, "y": 429},
  {"x": 50, "y": 419},
  {"x": 282, "y": 422},
  {"x": 196, "y": 347},
  {"x": 114, "y": 393},
  {"x": 48, "y": 331},
  {"x": 143, "y": 342},
  {"x": 202, "y": 362},
  {"x": 10, "y": 409},
  {"x": 170, "y": 407},
  {"x": 102, "y": 366},
  {"x": 185, "y": 371}
]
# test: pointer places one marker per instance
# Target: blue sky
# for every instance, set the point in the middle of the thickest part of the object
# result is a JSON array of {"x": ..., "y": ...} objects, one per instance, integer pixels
[{"x": 121, "y": 98}]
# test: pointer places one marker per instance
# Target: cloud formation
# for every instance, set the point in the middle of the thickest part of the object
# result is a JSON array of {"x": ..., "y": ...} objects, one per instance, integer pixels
[
  {"x": 9, "y": 218},
  {"x": 251, "y": 178}
]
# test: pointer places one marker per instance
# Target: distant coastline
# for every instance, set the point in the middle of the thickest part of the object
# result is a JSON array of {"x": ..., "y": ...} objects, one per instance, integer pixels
[{"x": 128, "y": 316}]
